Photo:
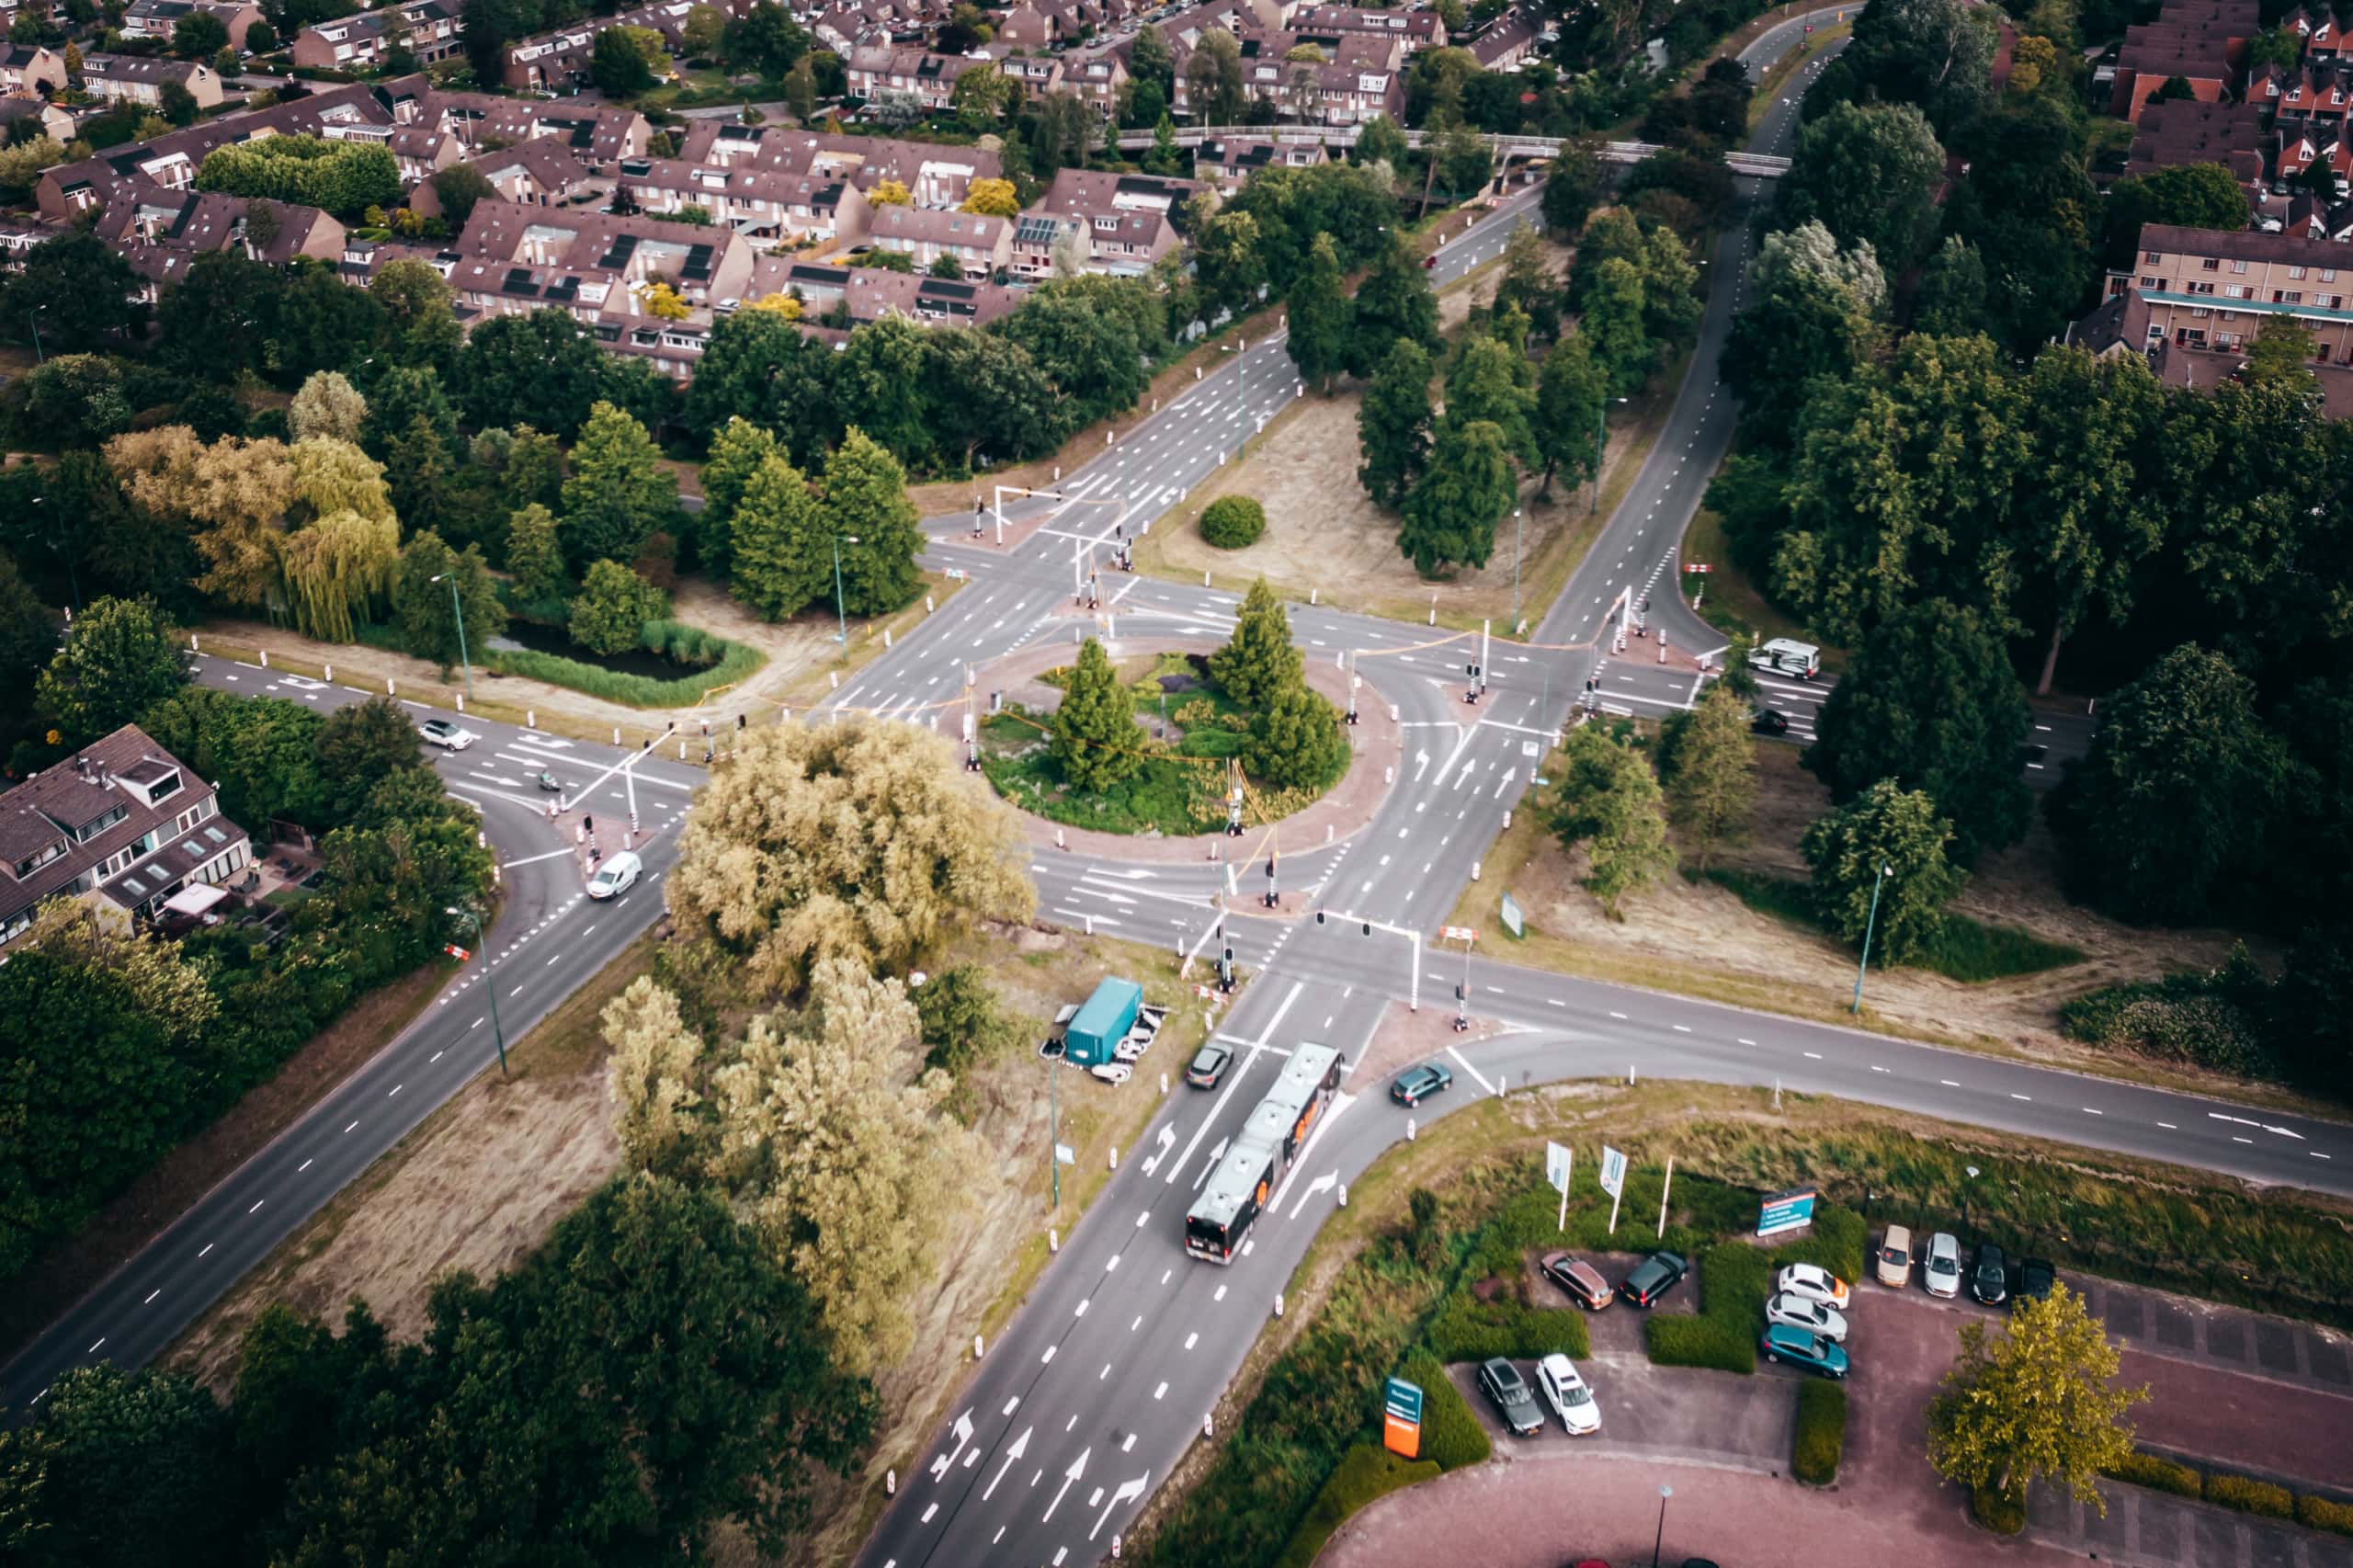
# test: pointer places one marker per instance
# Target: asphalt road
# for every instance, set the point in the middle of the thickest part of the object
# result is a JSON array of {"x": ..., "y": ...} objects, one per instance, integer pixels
[{"x": 546, "y": 940}]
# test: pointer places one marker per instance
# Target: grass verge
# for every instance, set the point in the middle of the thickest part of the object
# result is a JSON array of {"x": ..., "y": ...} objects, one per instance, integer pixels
[
  {"x": 1971, "y": 951},
  {"x": 1368, "y": 1471},
  {"x": 1728, "y": 600},
  {"x": 1777, "y": 75},
  {"x": 729, "y": 664}
]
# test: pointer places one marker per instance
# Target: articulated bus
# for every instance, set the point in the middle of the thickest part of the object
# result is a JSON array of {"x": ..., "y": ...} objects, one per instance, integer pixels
[{"x": 1270, "y": 1140}]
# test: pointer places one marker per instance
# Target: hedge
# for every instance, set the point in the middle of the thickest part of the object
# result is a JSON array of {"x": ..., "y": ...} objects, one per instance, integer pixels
[
  {"x": 1468, "y": 1329},
  {"x": 1734, "y": 1279},
  {"x": 2157, "y": 1474},
  {"x": 1452, "y": 1436},
  {"x": 2320, "y": 1514},
  {"x": 735, "y": 660},
  {"x": 2251, "y": 1496},
  {"x": 1368, "y": 1471},
  {"x": 1230, "y": 522},
  {"x": 1821, "y": 1432}
]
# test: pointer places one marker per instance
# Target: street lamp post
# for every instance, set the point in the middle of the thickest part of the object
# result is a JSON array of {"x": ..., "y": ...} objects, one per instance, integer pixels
[
  {"x": 840, "y": 613},
  {"x": 1869, "y": 925},
  {"x": 1518, "y": 541},
  {"x": 1601, "y": 446},
  {"x": 32, "y": 319},
  {"x": 1665, "y": 1492},
  {"x": 481, "y": 942},
  {"x": 458, "y": 612}
]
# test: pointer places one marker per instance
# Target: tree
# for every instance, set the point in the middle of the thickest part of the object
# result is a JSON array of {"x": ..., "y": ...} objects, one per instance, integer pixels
[
  {"x": 991, "y": 198},
  {"x": 1321, "y": 316},
  {"x": 2175, "y": 807},
  {"x": 1393, "y": 424},
  {"x": 614, "y": 605},
  {"x": 534, "y": 558},
  {"x": 765, "y": 39},
  {"x": 357, "y": 747},
  {"x": 120, "y": 659},
  {"x": 1095, "y": 742},
  {"x": 1572, "y": 398},
  {"x": 198, "y": 36},
  {"x": 426, "y": 612},
  {"x": 1869, "y": 173},
  {"x": 343, "y": 177},
  {"x": 1491, "y": 382},
  {"x": 540, "y": 370},
  {"x": 2282, "y": 349},
  {"x": 867, "y": 511},
  {"x": 1951, "y": 302},
  {"x": 760, "y": 367},
  {"x": 1451, "y": 513},
  {"x": 1708, "y": 761},
  {"x": 1931, "y": 703},
  {"x": 2039, "y": 1402},
  {"x": 1608, "y": 802},
  {"x": 879, "y": 385},
  {"x": 1394, "y": 303},
  {"x": 1528, "y": 285},
  {"x": 736, "y": 452},
  {"x": 1003, "y": 407},
  {"x": 134, "y": 1467},
  {"x": 1295, "y": 740},
  {"x": 1613, "y": 327},
  {"x": 619, "y": 494},
  {"x": 338, "y": 569},
  {"x": 857, "y": 838},
  {"x": 1895, "y": 829},
  {"x": 652, "y": 1078},
  {"x": 1816, "y": 312},
  {"x": 782, "y": 557},
  {"x": 327, "y": 405},
  {"x": 417, "y": 326},
  {"x": 1259, "y": 660},
  {"x": 1573, "y": 190},
  {"x": 618, "y": 64},
  {"x": 81, "y": 287},
  {"x": 2193, "y": 195}
]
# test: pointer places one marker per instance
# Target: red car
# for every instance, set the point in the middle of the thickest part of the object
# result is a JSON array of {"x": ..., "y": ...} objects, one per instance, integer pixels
[{"x": 1430, "y": 261}]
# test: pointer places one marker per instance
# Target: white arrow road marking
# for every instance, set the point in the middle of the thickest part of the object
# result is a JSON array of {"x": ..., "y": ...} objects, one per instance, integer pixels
[
  {"x": 1207, "y": 1165},
  {"x": 1322, "y": 1183},
  {"x": 1128, "y": 1492},
  {"x": 963, "y": 1430},
  {"x": 1012, "y": 1455},
  {"x": 1077, "y": 1469},
  {"x": 2283, "y": 1132}
]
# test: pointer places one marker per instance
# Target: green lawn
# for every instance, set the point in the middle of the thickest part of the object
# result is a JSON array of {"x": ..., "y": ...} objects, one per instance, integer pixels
[
  {"x": 1967, "y": 951},
  {"x": 1180, "y": 789},
  {"x": 1728, "y": 600}
]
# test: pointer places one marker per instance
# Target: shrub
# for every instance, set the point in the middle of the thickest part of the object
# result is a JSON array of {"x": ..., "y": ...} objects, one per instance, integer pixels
[
  {"x": 1821, "y": 1432},
  {"x": 1367, "y": 1472},
  {"x": 2320, "y": 1514},
  {"x": 2157, "y": 1474},
  {"x": 738, "y": 661},
  {"x": 1700, "y": 1342},
  {"x": 2251, "y": 1496},
  {"x": 1452, "y": 1436},
  {"x": 1734, "y": 1279},
  {"x": 1998, "y": 1512},
  {"x": 1231, "y": 522},
  {"x": 1468, "y": 1329}
]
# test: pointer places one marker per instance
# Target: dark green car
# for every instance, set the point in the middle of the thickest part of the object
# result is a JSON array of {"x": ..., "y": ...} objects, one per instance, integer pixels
[{"x": 1416, "y": 1084}]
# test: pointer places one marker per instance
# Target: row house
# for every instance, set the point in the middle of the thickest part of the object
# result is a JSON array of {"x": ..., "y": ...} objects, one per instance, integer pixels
[
  {"x": 17, "y": 242},
  {"x": 2210, "y": 290},
  {"x": 766, "y": 204},
  {"x": 30, "y": 71},
  {"x": 2315, "y": 89},
  {"x": 1038, "y": 74},
  {"x": 2123, "y": 326},
  {"x": 878, "y": 23},
  {"x": 138, "y": 80},
  {"x": 1102, "y": 222},
  {"x": 870, "y": 294},
  {"x": 2323, "y": 31},
  {"x": 160, "y": 232},
  {"x": 1506, "y": 43},
  {"x": 1360, "y": 76},
  {"x": 529, "y": 174},
  {"x": 169, "y": 162},
  {"x": 980, "y": 245},
  {"x": 1185, "y": 30},
  {"x": 422, "y": 151},
  {"x": 428, "y": 28},
  {"x": 2300, "y": 143},
  {"x": 594, "y": 134},
  {"x": 157, "y": 19},
  {"x": 514, "y": 259},
  {"x": 935, "y": 174},
  {"x": 929, "y": 78},
  {"x": 1413, "y": 30},
  {"x": 122, "y": 824},
  {"x": 557, "y": 60},
  {"x": 2170, "y": 135},
  {"x": 2202, "y": 41},
  {"x": 1229, "y": 164},
  {"x": 46, "y": 117},
  {"x": 1024, "y": 28},
  {"x": 1099, "y": 81}
]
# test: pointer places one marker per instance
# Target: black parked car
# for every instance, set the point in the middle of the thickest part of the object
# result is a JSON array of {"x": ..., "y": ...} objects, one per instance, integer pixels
[
  {"x": 2035, "y": 1279},
  {"x": 1989, "y": 1275},
  {"x": 1653, "y": 1277}
]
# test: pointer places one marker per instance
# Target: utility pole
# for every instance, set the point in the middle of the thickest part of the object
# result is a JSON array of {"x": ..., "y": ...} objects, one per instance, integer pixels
[
  {"x": 481, "y": 942},
  {"x": 1519, "y": 539},
  {"x": 458, "y": 611},
  {"x": 1869, "y": 925}
]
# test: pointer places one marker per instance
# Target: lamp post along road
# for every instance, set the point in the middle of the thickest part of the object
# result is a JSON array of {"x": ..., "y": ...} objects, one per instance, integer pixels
[
  {"x": 465, "y": 664},
  {"x": 1869, "y": 925},
  {"x": 841, "y": 614},
  {"x": 481, "y": 942}
]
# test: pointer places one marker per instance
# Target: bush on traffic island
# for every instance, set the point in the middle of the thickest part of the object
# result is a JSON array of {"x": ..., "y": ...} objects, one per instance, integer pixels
[
  {"x": 1230, "y": 522},
  {"x": 1821, "y": 1432},
  {"x": 1452, "y": 1436}
]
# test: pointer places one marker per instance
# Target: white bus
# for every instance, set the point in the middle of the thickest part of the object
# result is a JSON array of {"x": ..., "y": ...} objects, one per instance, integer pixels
[{"x": 1246, "y": 1178}]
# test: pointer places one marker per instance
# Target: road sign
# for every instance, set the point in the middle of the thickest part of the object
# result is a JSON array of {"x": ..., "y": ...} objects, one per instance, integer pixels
[
  {"x": 1064, "y": 1155},
  {"x": 1510, "y": 915},
  {"x": 1457, "y": 934},
  {"x": 1401, "y": 1419},
  {"x": 1696, "y": 566},
  {"x": 455, "y": 951},
  {"x": 1613, "y": 1170},
  {"x": 1557, "y": 1167},
  {"x": 1790, "y": 1211}
]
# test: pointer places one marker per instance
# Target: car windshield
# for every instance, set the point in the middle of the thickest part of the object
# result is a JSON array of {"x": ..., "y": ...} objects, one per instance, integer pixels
[
  {"x": 1207, "y": 1059},
  {"x": 1895, "y": 1255},
  {"x": 1576, "y": 1394}
]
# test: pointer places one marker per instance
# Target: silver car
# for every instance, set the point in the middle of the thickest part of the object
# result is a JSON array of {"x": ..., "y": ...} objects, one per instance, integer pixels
[
  {"x": 1942, "y": 1271},
  {"x": 1797, "y": 1312}
]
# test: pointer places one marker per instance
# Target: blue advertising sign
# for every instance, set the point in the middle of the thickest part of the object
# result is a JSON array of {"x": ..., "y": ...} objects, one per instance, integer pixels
[
  {"x": 1404, "y": 1399},
  {"x": 1790, "y": 1211}
]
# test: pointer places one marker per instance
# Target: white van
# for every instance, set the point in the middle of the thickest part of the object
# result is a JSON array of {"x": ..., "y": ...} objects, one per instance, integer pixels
[{"x": 1802, "y": 661}]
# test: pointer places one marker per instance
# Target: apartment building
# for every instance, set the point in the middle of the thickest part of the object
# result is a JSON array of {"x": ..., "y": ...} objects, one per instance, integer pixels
[
  {"x": 138, "y": 80},
  {"x": 157, "y": 18},
  {"x": 30, "y": 71},
  {"x": 2206, "y": 290},
  {"x": 122, "y": 823},
  {"x": 429, "y": 29},
  {"x": 162, "y": 233},
  {"x": 2202, "y": 41},
  {"x": 979, "y": 246}
]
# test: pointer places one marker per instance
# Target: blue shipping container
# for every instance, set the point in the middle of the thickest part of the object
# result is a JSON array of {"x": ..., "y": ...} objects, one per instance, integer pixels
[{"x": 1103, "y": 1023}]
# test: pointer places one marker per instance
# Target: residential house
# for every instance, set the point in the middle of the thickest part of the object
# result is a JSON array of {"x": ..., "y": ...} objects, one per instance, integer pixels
[
  {"x": 935, "y": 174},
  {"x": 1024, "y": 28},
  {"x": 1099, "y": 80},
  {"x": 930, "y": 79},
  {"x": 2123, "y": 326},
  {"x": 1124, "y": 223},
  {"x": 530, "y": 174},
  {"x": 18, "y": 240},
  {"x": 2323, "y": 31},
  {"x": 1415, "y": 30},
  {"x": 428, "y": 30},
  {"x": 1038, "y": 74},
  {"x": 1506, "y": 43},
  {"x": 1227, "y": 164},
  {"x": 31, "y": 70},
  {"x": 157, "y": 18},
  {"x": 160, "y": 232},
  {"x": 2316, "y": 89},
  {"x": 980, "y": 245},
  {"x": 49, "y": 120},
  {"x": 559, "y": 61},
  {"x": 138, "y": 80},
  {"x": 2211, "y": 289},
  {"x": 122, "y": 823},
  {"x": 2298, "y": 145},
  {"x": 2170, "y": 135},
  {"x": 599, "y": 266},
  {"x": 2202, "y": 41},
  {"x": 771, "y": 205},
  {"x": 595, "y": 134}
]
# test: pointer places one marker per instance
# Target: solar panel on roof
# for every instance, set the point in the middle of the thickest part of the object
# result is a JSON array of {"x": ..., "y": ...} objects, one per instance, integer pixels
[
  {"x": 518, "y": 281},
  {"x": 624, "y": 246}
]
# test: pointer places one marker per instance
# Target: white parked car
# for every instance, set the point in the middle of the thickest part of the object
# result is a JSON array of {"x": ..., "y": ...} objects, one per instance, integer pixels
[
  {"x": 1564, "y": 1390},
  {"x": 615, "y": 875},
  {"x": 1809, "y": 1315},
  {"x": 1941, "y": 1274},
  {"x": 445, "y": 734},
  {"x": 1812, "y": 1283}
]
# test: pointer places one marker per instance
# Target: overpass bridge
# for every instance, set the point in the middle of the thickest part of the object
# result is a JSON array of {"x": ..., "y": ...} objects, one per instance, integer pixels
[{"x": 1507, "y": 149}]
